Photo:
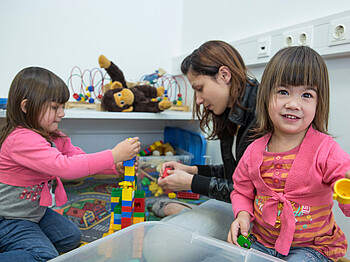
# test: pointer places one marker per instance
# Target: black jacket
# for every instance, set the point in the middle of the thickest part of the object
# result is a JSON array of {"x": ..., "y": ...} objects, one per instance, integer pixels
[{"x": 215, "y": 181}]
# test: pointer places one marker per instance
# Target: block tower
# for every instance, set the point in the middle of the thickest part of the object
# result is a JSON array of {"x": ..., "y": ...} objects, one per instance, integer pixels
[{"x": 127, "y": 203}]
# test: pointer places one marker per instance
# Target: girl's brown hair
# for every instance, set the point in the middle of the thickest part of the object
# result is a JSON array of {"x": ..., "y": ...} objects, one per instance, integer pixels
[
  {"x": 39, "y": 87},
  {"x": 294, "y": 66},
  {"x": 206, "y": 60}
]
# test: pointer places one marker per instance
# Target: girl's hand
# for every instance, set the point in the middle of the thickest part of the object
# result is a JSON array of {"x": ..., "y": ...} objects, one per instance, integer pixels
[
  {"x": 126, "y": 149},
  {"x": 178, "y": 180},
  {"x": 241, "y": 225},
  {"x": 120, "y": 167},
  {"x": 178, "y": 166}
]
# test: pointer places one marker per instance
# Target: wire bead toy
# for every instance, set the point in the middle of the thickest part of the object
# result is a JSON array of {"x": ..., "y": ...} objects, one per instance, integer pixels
[{"x": 91, "y": 84}]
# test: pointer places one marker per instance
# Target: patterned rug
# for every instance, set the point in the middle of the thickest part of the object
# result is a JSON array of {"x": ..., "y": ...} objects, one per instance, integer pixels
[{"x": 89, "y": 206}]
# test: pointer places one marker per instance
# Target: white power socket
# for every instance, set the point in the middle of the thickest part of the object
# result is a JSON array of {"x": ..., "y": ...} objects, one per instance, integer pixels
[
  {"x": 264, "y": 47},
  {"x": 301, "y": 36},
  {"x": 339, "y": 32}
]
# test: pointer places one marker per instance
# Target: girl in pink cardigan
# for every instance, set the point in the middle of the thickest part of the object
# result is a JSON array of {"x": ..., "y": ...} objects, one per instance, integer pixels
[
  {"x": 33, "y": 155},
  {"x": 283, "y": 183}
]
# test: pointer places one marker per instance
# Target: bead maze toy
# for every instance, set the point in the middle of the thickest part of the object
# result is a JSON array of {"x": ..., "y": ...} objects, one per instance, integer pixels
[
  {"x": 171, "y": 85},
  {"x": 127, "y": 203},
  {"x": 342, "y": 191},
  {"x": 91, "y": 83}
]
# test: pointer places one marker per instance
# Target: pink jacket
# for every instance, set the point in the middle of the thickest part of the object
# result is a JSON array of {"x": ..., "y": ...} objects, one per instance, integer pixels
[
  {"x": 319, "y": 163},
  {"x": 27, "y": 159}
]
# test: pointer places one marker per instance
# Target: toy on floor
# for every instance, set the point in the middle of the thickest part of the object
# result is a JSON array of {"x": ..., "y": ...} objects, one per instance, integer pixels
[
  {"x": 127, "y": 203},
  {"x": 342, "y": 191}
]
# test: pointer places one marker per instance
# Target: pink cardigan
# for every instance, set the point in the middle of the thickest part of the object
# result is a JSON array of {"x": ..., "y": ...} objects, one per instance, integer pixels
[
  {"x": 27, "y": 159},
  {"x": 319, "y": 163}
]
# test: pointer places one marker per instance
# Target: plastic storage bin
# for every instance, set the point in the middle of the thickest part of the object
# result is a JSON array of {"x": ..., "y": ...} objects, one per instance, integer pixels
[
  {"x": 181, "y": 156},
  {"x": 189, "y": 141},
  {"x": 159, "y": 241},
  {"x": 3, "y": 103}
]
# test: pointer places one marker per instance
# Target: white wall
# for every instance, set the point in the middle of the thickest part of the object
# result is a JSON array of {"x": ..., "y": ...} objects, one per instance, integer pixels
[
  {"x": 232, "y": 20},
  {"x": 139, "y": 36}
]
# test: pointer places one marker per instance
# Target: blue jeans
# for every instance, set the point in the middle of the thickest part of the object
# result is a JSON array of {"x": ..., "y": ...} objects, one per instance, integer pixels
[
  {"x": 296, "y": 254},
  {"x": 25, "y": 241}
]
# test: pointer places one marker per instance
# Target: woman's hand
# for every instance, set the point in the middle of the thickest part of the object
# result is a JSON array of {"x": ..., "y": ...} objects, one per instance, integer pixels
[
  {"x": 239, "y": 226},
  {"x": 178, "y": 166},
  {"x": 177, "y": 180}
]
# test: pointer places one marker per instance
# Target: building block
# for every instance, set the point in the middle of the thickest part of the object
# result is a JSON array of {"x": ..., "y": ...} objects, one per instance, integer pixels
[
  {"x": 187, "y": 195},
  {"x": 125, "y": 199}
]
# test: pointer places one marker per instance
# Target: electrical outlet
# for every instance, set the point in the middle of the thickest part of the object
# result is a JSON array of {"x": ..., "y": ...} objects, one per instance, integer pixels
[
  {"x": 339, "y": 32},
  {"x": 301, "y": 36},
  {"x": 264, "y": 46}
]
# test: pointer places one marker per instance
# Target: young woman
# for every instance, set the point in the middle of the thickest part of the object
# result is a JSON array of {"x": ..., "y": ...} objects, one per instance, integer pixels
[{"x": 224, "y": 102}]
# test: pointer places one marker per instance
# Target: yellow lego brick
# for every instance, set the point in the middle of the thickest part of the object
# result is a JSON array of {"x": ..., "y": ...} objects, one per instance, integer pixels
[
  {"x": 129, "y": 171},
  {"x": 172, "y": 195},
  {"x": 138, "y": 220},
  {"x": 115, "y": 199},
  {"x": 117, "y": 227}
]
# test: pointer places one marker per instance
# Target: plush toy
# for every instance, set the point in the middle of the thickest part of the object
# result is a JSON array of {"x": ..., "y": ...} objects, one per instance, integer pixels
[
  {"x": 139, "y": 98},
  {"x": 164, "y": 150}
]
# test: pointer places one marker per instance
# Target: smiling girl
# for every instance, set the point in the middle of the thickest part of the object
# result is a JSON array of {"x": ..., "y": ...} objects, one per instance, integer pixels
[{"x": 284, "y": 181}]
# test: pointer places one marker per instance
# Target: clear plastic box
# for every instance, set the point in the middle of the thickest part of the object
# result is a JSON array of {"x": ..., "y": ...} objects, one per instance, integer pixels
[
  {"x": 159, "y": 241},
  {"x": 181, "y": 156}
]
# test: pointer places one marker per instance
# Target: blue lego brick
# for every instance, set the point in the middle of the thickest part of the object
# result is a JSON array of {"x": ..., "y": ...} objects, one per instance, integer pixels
[
  {"x": 130, "y": 162},
  {"x": 127, "y": 203},
  {"x": 129, "y": 178},
  {"x": 127, "y": 214}
]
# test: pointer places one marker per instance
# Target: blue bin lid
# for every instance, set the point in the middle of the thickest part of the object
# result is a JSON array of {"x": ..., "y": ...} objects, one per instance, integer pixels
[{"x": 190, "y": 141}]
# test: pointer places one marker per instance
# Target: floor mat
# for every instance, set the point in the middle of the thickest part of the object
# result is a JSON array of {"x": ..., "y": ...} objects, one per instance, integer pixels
[{"x": 89, "y": 206}]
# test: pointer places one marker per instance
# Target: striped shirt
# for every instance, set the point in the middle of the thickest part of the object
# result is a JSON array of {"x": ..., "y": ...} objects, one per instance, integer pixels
[{"x": 315, "y": 226}]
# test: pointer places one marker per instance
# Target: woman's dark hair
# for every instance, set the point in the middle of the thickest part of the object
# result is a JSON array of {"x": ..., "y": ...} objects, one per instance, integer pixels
[
  {"x": 39, "y": 87},
  {"x": 207, "y": 60}
]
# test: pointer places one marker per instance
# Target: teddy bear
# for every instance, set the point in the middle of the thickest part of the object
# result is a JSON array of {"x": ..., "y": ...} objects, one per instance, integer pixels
[
  {"x": 164, "y": 150},
  {"x": 138, "y": 98}
]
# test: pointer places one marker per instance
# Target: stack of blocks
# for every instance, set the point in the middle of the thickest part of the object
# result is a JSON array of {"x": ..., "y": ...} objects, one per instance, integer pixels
[{"x": 127, "y": 204}]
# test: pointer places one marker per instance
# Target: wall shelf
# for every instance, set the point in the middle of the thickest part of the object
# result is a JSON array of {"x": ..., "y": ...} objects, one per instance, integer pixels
[{"x": 78, "y": 113}]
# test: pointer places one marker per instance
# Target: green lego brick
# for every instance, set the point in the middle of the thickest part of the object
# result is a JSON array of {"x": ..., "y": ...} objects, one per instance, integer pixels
[
  {"x": 116, "y": 192},
  {"x": 139, "y": 214},
  {"x": 118, "y": 209},
  {"x": 140, "y": 194}
]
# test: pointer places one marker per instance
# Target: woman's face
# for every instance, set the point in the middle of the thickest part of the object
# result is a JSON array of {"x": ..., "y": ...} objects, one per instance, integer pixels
[{"x": 213, "y": 93}]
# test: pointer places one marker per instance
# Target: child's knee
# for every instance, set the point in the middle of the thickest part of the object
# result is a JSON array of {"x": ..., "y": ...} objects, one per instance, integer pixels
[{"x": 71, "y": 241}]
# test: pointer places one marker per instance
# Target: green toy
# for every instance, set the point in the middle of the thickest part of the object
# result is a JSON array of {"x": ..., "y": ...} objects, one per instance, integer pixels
[{"x": 246, "y": 241}]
